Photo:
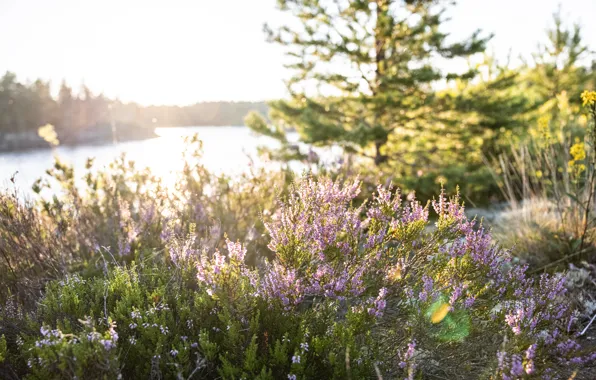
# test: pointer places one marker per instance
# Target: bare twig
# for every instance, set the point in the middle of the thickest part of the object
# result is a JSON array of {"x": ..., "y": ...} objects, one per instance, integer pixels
[
  {"x": 559, "y": 261},
  {"x": 588, "y": 326},
  {"x": 378, "y": 372}
]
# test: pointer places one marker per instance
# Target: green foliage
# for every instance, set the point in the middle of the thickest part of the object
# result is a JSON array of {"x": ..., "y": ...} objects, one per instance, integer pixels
[
  {"x": 88, "y": 354},
  {"x": 3, "y": 349},
  {"x": 167, "y": 325}
]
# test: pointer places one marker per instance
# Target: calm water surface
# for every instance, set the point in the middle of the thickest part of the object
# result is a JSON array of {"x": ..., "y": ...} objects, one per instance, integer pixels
[{"x": 227, "y": 150}]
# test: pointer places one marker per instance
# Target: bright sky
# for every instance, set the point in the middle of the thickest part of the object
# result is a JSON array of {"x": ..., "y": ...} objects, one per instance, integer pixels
[{"x": 184, "y": 51}]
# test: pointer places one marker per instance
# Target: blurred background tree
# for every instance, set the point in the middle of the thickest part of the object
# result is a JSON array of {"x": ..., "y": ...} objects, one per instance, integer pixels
[
  {"x": 474, "y": 118},
  {"x": 363, "y": 71},
  {"x": 563, "y": 63},
  {"x": 367, "y": 77}
]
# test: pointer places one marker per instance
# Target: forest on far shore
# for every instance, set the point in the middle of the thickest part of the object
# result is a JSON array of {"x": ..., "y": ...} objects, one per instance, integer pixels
[{"x": 24, "y": 107}]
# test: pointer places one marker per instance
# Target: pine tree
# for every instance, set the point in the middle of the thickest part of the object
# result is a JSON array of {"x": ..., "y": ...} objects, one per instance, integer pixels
[
  {"x": 473, "y": 120},
  {"x": 363, "y": 70},
  {"x": 562, "y": 64},
  {"x": 490, "y": 110}
]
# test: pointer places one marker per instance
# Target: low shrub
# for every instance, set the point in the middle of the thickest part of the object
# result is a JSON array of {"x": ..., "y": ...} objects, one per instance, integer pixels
[
  {"x": 351, "y": 291},
  {"x": 127, "y": 213}
]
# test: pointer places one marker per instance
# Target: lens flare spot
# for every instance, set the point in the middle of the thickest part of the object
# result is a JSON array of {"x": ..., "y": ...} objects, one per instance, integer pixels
[{"x": 440, "y": 312}]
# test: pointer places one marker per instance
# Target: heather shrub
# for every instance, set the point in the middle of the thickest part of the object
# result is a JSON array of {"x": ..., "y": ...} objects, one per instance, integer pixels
[
  {"x": 201, "y": 320},
  {"x": 451, "y": 291},
  {"x": 360, "y": 290},
  {"x": 127, "y": 209},
  {"x": 127, "y": 214}
]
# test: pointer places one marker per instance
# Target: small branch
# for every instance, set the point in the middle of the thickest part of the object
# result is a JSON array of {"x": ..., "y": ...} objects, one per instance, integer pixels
[
  {"x": 558, "y": 261},
  {"x": 588, "y": 326},
  {"x": 587, "y": 210},
  {"x": 378, "y": 372},
  {"x": 105, "y": 302}
]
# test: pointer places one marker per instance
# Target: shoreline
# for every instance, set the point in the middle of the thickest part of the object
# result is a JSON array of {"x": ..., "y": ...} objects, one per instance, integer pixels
[{"x": 31, "y": 142}]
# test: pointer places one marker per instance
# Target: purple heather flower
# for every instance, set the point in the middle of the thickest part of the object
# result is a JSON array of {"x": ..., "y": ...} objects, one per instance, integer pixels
[
  {"x": 427, "y": 288},
  {"x": 457, "y": 292},
  {"x": 516, "y": 366},
  {"x": 379, "y": 304},
  {"x": 108, "y": 344},
  {"x": 469, "y": 302},
  {"x": 530, "y": 354},
  {"x": 236, "y": 251},
  {"x": 326, "y": 249}
]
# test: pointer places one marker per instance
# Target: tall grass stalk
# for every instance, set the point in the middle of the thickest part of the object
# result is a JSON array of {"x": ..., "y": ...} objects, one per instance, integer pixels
[{"x": 549, "y": 184}]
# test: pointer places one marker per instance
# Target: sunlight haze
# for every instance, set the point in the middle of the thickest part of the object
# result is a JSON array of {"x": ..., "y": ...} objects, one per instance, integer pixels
[
  {"x": 390, "y": 189},
  {"x": 184, "y": 51}
]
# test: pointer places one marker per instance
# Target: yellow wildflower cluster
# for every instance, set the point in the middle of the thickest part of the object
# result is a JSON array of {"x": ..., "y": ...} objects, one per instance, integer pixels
[
  {"x": 588, "y": 98},
  {"x": 544, "y": 128},
  {"x": 578, "y": 153}
]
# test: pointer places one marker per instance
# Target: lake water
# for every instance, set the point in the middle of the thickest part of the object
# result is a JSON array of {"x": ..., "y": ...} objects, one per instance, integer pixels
[{"x": 226, "y": 149}]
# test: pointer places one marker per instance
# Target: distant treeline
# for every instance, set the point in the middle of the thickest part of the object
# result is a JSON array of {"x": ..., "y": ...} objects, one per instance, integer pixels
[{"x": 24, "y": 107}]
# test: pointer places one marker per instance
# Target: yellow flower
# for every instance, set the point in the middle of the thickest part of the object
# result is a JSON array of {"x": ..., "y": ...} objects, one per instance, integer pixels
[
  {"x": 544, "y": 127},
  {"x": 543, "y": 121},
  {"x": 588, "y": 98},
  {"x": 577, "y": 151}
]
